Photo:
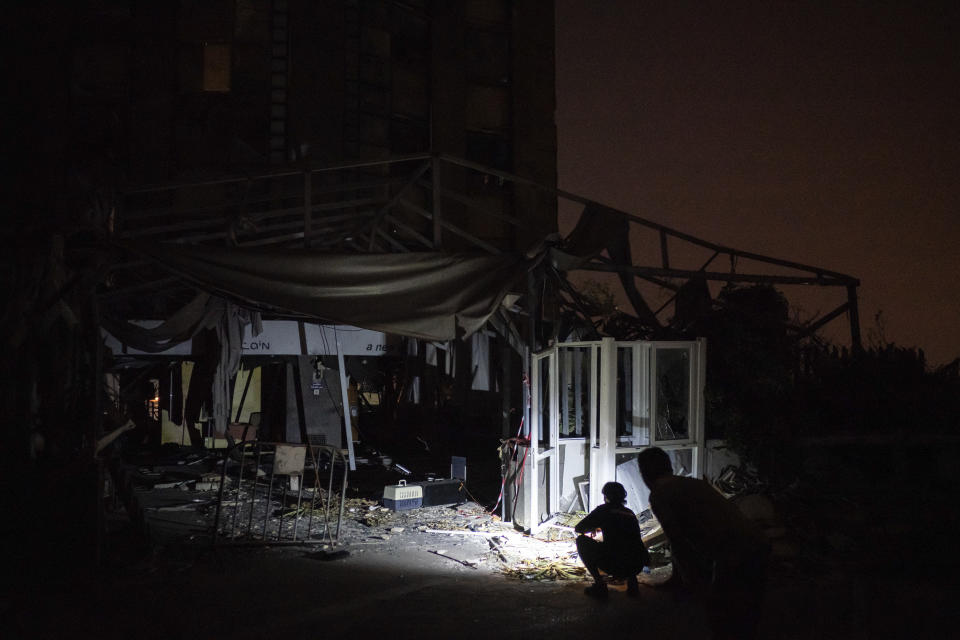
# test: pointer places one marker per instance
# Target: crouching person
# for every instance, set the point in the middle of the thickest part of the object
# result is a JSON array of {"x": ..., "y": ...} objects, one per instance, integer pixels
[
  {"x": 716, "y": 550},
  {"x": 622, "y": 553}
]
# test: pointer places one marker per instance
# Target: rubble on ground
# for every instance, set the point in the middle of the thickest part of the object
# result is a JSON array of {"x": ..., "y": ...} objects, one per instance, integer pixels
[{"x": 178, "y": 503}]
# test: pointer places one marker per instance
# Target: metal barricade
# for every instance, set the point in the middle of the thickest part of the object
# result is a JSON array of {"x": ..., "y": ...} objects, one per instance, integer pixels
[{"x": 258, "y": 509}]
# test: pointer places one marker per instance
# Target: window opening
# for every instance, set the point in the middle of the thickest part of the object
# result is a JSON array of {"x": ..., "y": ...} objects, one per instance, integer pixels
[
  {"x": 216, "y": 67},
  {"x": 673, "y": 394}
]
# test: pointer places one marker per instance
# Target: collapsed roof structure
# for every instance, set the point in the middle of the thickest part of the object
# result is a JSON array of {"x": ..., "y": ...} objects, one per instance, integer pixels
[
  {"x": 364, "y": 245},
  {"x": 369, "y": 244}
]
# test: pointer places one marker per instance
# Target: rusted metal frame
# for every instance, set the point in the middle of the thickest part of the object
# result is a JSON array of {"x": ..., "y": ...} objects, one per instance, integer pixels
[
  {"x": 436, "y": 202},
  {"x": 370, "y": 243},
  {"x": 243, "y": 459},
  {"x": 706, "y": 264},
  {"x": 373, "y": 224},
  {"x": 97, "y": 427},
  {"x": 713, "y": 275},
  {"x": 326, "y": 511},
  {"x": 307, "y": 206},
  {"x": 515, "y": 178},
  {"x": 131, "y": 264},
  {"x": 823, "y": 320},
  {"x": 323, "y": 206},
  {"x": 451, "y": 227},
  {"x": 261, "y": 242},
  {"x": 667, "y": 303},
  {"x": 736, "y": 253},
  {"x": 327, "y": 223},
  {"x": 296, "y": 522},
  {"x": 276, "y": 231},
  {"x": 277, "y": 174},
  {"x": 502, "y": 322},
  {"x": 216, "y": 517},
  {"x": 660, "y": 283},
  {"x": 356, "y": 185},
  {"x": 253, "y": 492},
  {"x": 733, "y": 253},
  {"x": 284, "y": 239},
  {"x": 152, "y": 285},
  {"x": 171, "y": 228},
  {"x": 256, "y": 217},
  {"x": 657, "y": 281},
  {"x": 576, "y": 299},
  {"x": 855, "y": 339},
  {"x": 144, "y": 214},
  {"x": 213, "y": 235},
  {"x": 266, "y": 516},
  {"x": 647, "y": 223},
  {"x": 221, "y": 235},
  {"x": 664, "y": 255},
  {"x": 343, "y": 488},
  {"x": 342, "y": 227},
  {"x": 413, "y": 233},
  {"x": 471, "y": 204},
  {"x": 396, "y": 245},
  {"x": 677, "y": 289},
  {"x": 315, "y": 459},
  {"x": 332, "y": 240},
  {"x": 139, "y": 215},
  {"x": 353, "y": 244}
]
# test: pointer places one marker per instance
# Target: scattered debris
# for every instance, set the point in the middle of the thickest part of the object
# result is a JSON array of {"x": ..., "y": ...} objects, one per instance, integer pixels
[
  {"x": 548, "y": 570},
  {"x": 445, "y": 554}
]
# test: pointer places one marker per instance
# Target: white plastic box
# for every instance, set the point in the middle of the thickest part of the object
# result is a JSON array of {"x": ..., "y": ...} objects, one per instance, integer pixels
[{"x": 401, "y": 496}]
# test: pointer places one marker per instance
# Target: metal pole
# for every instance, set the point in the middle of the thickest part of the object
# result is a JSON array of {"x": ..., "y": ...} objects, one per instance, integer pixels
[
  {"x": 236, "y": 510},
  {"x": 346, "y": 406},
  {"x": 437, "y": 209},
  {"x": 266, "y": 515},
  {"x": 216, "y": 518},
  {"x": 281, "y": 174},
  {"x": 326, "y": 510},
  {"x": 253, "y": 491},
  {"x": 98, "y": 428},
  {"x": 296, "y": 522},
  {"x": 506, "y": 386},
  {"x": 343, "y": 498},
  {"x": 307, "y": 202},
  {"x": 855, "y": 340},
  {"x": 243, "y": 396},
  {"x": 298, "y": 393},
  {"x": 531, "y": 347},
  {"x": 283, "y": 500},
  {"x": 313, "y": 496}
]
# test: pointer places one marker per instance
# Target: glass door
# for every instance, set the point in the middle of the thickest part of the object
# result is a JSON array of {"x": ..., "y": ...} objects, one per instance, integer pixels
[{"x": 542, "y": 483}]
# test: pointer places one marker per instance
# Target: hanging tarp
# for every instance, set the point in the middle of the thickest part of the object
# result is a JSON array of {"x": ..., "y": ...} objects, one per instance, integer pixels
[
  {"x": 203, "y": 312},
  {"x": 432, "y": 296}
]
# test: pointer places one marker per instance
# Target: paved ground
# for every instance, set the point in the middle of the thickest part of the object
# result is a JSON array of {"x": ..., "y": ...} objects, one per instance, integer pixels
[
  {"x": 259, "y": 593},
  {"x": 875, "y": 560},
  {"x": 388, "y": 591}
]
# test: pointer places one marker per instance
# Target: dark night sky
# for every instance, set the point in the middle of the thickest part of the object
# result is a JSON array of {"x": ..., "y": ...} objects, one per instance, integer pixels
[{"x": 820, "y": 132}]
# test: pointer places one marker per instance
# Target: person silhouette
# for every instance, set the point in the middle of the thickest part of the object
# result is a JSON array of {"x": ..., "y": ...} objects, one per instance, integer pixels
[
  {"x": 717, "y": 551},
  {"x": 621, "y": 553}
]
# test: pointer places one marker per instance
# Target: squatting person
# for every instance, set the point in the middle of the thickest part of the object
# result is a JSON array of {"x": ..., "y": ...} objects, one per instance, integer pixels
[
  {"x": 622, "y": 553},
  {"x": 717, "y": 551}
]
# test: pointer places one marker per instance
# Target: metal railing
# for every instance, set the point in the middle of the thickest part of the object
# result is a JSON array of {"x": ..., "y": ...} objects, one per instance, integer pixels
[{"x": 258, "y": 509}]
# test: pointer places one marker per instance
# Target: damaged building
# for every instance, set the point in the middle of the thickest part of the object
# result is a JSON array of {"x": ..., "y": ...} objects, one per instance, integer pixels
[{"x": 279, "y": 238}]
